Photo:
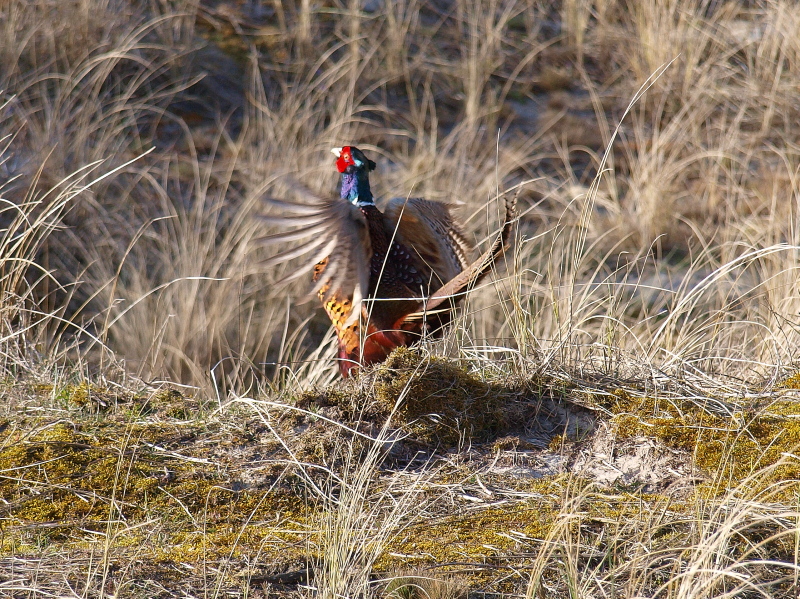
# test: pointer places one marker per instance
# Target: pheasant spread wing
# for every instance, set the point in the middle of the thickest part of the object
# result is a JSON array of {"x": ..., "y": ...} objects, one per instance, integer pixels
[
  {"x": 334, "y": 238},
  {"x": 429, "y": 231}
]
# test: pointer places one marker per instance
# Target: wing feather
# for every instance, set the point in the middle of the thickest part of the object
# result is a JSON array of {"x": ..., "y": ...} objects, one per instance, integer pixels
[
  {"x": 290, "y": 235},
  {"x": 291, "y": 221},
  {"x": 430, "y": 232},
  {"x": 292, "y": 253},
  {"x": 337, "y": 230},
  {"x": 293, "y": 207}
]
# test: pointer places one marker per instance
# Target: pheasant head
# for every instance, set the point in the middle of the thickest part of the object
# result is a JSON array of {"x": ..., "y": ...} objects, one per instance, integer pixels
[{"x": 354, "y": 167}]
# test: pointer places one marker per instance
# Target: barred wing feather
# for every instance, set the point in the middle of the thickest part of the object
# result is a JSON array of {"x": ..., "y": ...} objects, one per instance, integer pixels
[
  {"x": 326, "y": 228},
  {"x": 429, "y": 231}
]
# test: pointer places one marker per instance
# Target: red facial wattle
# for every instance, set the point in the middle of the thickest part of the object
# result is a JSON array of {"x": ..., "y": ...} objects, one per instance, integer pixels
[{"x": 345, "y": 159}]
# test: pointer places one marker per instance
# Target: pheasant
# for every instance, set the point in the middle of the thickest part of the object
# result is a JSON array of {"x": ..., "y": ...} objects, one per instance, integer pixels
[{"x": 384, "y": 278}]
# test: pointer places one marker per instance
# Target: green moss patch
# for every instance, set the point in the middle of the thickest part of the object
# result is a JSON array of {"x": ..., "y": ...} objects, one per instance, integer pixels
[
  {"x": 152, "y": 485},
  {"x": 441, "y": 402},
  {"x": 727, "y": 448},
  {"x": 792, "y": 382},
  {"x": 438, "y": 401}
]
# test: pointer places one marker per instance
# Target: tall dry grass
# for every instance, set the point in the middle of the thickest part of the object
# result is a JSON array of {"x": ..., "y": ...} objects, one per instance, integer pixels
[{"x": 686, "y": 245}]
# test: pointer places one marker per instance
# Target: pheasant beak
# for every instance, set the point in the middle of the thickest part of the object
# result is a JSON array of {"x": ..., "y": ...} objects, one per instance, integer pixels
[{"x": 336, "y": 152}]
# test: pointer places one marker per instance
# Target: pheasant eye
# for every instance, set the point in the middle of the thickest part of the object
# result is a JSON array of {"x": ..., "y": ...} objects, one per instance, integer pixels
[{"x": 346, "y": 157}]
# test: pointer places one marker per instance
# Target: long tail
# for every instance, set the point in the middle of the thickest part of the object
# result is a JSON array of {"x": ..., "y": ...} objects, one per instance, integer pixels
[{"x": 472, "y": 275}]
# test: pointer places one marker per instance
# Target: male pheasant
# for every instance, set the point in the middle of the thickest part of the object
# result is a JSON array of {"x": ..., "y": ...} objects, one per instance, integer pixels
[{"x": 386, "y": 278}]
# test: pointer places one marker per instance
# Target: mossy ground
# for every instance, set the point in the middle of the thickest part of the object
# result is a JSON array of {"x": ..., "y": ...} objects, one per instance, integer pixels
[
  {"x": 726, "y": 447},
  {"x": 156, "y": 479}
]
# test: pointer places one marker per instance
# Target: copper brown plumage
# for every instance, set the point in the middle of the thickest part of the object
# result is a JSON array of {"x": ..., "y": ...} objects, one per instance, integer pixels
[{"x": 387, "y": 278}]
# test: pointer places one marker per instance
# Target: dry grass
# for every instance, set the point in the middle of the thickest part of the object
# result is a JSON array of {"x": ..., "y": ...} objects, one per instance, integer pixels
[{"x": 653, "y": 285}]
